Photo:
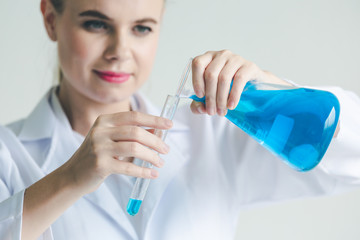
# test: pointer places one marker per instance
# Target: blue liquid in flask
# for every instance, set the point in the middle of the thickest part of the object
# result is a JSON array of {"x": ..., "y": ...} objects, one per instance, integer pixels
[
  {"x": 294, "y": 124},
  {"x": 133, "y": 206}
]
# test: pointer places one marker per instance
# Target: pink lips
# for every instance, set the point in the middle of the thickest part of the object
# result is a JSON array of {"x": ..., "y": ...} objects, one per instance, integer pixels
[{"x": 113, "y": 77}]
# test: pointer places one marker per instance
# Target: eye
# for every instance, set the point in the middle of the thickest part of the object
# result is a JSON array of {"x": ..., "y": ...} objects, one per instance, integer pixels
[
  {"x": 142, "y": 30},
  {"x": 95, "y": 26}
]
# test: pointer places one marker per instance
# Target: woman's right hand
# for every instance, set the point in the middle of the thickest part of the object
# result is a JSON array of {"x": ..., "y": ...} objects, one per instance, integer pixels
[{"x": 112, "y": 143}]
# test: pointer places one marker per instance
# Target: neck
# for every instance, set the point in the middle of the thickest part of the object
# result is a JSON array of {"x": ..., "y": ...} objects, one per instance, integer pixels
[{"x": 82, "y": 111}]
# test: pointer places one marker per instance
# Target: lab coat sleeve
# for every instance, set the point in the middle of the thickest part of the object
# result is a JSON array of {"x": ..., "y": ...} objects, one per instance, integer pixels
[
  {"x": 10, "y": 203},
  {"x": 11, "y": 216},
  {"x": 262, "y": 178},
  {"x": 12, "y": 190},
  {"x": 342, "y": 159}
]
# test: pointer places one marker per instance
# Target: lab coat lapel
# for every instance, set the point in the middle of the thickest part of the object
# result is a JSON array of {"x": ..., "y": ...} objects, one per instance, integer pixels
[
  {"x": 174, "y": 161},
  {"x": 111, "y": 207},
  {"x": 30, "y": 172}
]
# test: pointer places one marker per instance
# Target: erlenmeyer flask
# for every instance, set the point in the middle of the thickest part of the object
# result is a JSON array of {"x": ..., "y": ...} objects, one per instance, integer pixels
[{"x": 296, "y": 124}]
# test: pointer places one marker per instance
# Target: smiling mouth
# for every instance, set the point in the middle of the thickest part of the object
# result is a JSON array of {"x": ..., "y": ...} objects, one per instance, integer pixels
[{"x": 113, "y": 77}]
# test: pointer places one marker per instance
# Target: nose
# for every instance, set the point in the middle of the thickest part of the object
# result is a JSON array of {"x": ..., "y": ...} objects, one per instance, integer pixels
[{"x": 118, "y": 48}]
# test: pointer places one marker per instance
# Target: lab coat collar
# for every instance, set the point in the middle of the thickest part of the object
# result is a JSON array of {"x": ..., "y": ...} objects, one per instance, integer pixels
[{"x": 39, "y": 125}]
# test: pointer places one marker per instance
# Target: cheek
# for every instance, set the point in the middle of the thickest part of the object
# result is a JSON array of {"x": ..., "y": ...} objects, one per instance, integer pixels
[
  {"x": 75, "y": 50},
  {"x": 146, "y": 55}
]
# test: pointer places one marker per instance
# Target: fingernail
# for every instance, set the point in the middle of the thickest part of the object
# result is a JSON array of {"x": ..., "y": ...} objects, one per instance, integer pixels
[
  {"x": 199, "y": 94},
  {"x": 212, "y": 111},
  {"x": 168, "y": 123},
  {"x": 221, "y": 112},
  {"x": 161, "y": 162},
  {"x": 154, "y": 173},
  {"x": 231, "y": 105},
  {"x": 166, "y": 148},
  {"x": 199, "y": 109}
]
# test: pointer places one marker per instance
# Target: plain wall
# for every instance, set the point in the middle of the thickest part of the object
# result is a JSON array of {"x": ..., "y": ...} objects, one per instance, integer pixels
[{"x": 312, "y": 42}]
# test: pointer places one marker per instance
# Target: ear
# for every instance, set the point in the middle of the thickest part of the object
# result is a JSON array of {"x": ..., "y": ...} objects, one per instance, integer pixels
[{"x": 49, "y": 17}]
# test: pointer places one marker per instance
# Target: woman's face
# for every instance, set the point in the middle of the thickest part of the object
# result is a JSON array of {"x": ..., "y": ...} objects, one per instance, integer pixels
[{"x": 107, "y": 47}]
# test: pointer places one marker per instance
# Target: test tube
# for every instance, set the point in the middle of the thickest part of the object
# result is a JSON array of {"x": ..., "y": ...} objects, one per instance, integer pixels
[{"x": 141, "y": 184}]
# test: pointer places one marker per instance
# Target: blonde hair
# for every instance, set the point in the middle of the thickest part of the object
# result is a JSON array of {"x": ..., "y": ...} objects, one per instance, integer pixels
[
  {"x": 58, "y": 5},
  {"x": 59, "y": 8}
]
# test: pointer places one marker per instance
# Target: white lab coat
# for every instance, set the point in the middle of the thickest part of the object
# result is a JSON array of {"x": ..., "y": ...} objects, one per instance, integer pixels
[{"x": 212, "y": 171}]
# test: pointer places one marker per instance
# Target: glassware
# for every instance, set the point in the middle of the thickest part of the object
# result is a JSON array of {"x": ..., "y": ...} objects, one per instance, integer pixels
[
  {"x": 294, "y": 123},
  {"x": 141, "y": 184}
]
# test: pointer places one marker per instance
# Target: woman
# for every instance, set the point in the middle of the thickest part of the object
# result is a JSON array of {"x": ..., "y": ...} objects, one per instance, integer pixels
[{"x": 58, "y": 184}]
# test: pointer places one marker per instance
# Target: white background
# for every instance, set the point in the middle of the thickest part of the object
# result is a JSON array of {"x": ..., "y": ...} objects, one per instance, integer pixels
[{"x": 312, "y": 42}]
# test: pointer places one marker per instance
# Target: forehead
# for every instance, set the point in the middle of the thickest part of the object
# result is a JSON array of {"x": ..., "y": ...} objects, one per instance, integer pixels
[{"x": 130, "y": 9}]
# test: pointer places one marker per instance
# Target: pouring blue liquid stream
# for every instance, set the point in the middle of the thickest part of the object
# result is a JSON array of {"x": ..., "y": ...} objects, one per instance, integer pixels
[{"x": 295, "y": 124}]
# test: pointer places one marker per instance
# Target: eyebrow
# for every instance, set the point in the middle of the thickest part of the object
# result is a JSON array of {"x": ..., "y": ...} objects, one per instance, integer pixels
[
  {"x": 144, "y": 20},
  {"x": 93, "y": 13},
  {"x": 97, "y": 14}
]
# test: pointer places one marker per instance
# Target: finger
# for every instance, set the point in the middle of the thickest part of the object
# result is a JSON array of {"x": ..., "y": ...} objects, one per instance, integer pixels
[
  {"x": 242, "y": 76},
  {"x": 140, "y": 135},
  {"x": 197, "y": 107},
  {"x": 211, "y": 76},
  {"x": 134, "y": 118},
  {"x": 137, "y": 150},
  {"x": 199, "y": 65},
  {"x": 132, "y": 169},
  {"x": 223, "y": 89},
  {"x": 157, "y": 132}
]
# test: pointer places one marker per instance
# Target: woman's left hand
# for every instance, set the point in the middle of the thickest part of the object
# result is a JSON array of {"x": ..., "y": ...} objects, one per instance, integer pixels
[{"x": 212, "y": 75}]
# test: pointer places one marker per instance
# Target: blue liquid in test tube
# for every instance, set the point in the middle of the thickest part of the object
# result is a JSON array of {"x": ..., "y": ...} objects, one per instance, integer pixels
[{"x": 133, "y": 206}]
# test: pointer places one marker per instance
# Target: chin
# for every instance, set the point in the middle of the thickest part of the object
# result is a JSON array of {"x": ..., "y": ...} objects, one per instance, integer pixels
[{"x": 113, "y": 98}]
